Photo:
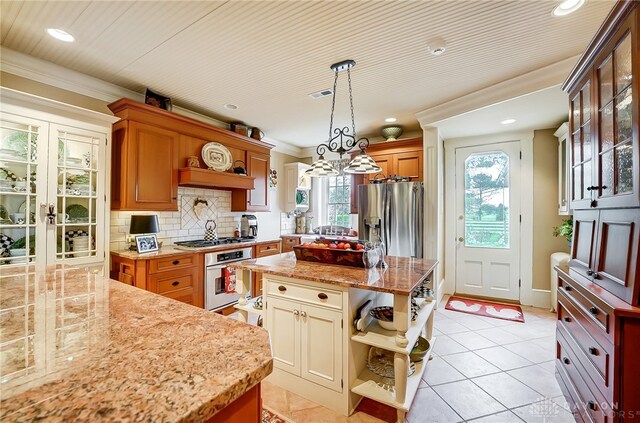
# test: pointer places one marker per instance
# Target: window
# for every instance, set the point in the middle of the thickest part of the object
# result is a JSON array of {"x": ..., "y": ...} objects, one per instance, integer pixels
[
  {"x": 486, "y": 182},
  {"x": 339, "y": 204}
]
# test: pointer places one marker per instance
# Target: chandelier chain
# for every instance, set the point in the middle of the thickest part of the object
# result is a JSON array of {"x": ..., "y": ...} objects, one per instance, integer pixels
[
  {"x": 333, "y": 103},
  {"x": 353, "y": 119}
]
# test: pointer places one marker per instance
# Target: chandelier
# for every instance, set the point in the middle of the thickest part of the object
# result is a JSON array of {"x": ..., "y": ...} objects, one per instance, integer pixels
[{"x": 342, "y": 140}]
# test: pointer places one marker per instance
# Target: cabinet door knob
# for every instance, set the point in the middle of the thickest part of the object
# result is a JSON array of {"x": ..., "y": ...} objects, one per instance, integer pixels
[
  {"x": 565, "y": 360},
  {"x": 567, "y": 288},
  {"x": 593, "y": 351},
  {"x": 567, "y": 319},
  {"x": 282, "y": 288},
  {"x": 175, "y": 283},
  {"x": 592, "y": 405},
  {"x": 176, "y": 262},
  {"x": 589, "y": 272},
  {"x": 303, "y": 313},
  {"x": 296, "y": 312},
  {"x": 594, "y": 203},
  {"x": 593, "y": 310},
  {"x": 323, "y": 296}
]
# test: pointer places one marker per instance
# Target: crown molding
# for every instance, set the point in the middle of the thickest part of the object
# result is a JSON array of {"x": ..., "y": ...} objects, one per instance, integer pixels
[
  {"x": 539, "y": 79},
  {"x": 29, "y": 101},
  {"x": 48, "y": 73}
]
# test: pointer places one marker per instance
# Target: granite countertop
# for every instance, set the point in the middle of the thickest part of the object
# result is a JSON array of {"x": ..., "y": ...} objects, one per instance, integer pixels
[
  {"x": 402, "y": 275},
  {"x": 172, "y": 250},
  {"x": 77, "y": 346}
]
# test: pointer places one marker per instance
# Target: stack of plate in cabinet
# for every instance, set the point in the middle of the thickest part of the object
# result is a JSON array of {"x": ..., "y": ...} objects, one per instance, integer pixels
[{"x": 80, "y": 246}]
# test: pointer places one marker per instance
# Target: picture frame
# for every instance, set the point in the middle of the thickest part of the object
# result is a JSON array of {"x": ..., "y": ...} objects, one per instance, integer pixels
[{"x": 146, "y": 243}]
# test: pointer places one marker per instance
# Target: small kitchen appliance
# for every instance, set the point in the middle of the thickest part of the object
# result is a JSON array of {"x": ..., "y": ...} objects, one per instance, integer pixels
[{"x": 248, "y": 226}]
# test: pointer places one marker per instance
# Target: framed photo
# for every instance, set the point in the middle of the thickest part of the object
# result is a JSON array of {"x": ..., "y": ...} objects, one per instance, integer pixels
[{"x": 146, "y": 243}]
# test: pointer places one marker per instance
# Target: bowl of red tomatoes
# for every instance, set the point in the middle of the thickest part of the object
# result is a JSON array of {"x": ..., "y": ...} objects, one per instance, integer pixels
[{"x": 342, "y": 253}]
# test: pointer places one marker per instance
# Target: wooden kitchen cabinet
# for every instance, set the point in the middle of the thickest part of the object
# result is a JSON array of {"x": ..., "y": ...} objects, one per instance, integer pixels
[
  {"x": 598, "y": 293},
  {"x": 178, "y": 276},
  {"x": 290, "y": 241},
  {"x": 262, "y": 250},
  {"x": 150, "y": 152},
  {"x": 604, "y": 123},
  {"x": 257, "y": 199},
  {"x": 144, "y": 167},
  {"x": 395, "y": 158}
]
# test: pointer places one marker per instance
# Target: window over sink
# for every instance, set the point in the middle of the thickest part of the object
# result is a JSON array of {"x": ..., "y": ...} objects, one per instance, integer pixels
[{"x": 339, "y": 200}]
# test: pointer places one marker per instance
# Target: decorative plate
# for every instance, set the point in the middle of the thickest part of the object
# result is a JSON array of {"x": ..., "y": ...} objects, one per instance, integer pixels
[
  {"x": 217, "y": 157},
  {"x": 77, "y": 211}
]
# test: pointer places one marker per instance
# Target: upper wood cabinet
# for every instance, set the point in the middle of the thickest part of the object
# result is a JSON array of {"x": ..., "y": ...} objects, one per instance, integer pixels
[
  {"x": 257, "y": 199},
  {"x": 144, "y": 167},
  {"x": 395, "y": 158},
  {"x": 151, "y": 145},
  {"x": 603, "y": 92}
]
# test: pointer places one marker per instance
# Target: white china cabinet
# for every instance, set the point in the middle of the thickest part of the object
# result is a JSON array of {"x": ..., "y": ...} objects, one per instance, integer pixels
[{"x": 53, "y": 161}]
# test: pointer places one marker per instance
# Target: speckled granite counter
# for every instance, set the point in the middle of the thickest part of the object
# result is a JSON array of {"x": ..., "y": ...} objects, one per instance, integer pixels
[
  {"x": 171, "y": 250},
  {"x": 77, "y": 346},
  {"x": 401, "y": 277}
]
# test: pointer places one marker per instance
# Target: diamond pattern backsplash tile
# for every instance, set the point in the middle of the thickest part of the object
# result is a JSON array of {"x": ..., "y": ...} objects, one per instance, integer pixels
[{"x": 189, "y": 218}]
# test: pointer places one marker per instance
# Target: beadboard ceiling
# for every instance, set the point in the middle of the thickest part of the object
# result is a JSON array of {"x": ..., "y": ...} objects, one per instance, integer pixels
[{"x": 267, "y": 56}]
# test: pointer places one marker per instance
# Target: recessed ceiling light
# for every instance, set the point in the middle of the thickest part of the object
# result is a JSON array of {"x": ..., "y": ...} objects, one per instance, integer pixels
[
  {"x": 567, "y": 6},
  {"x": 437, "y": 46},
  {"x": 61, "y": 35},
  {"x": 508, "y": 121},
  {"x": 230, "y": 106},
  {"x": 390, "y": 120}
]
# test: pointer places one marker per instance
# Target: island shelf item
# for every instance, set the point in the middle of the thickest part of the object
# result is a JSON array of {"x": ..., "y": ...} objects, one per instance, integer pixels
[{"x": 308, "y": 309}]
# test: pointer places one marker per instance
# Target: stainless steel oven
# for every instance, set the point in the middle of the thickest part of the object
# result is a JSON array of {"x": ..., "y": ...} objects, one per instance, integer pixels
[{"x": 215, "y": 294}]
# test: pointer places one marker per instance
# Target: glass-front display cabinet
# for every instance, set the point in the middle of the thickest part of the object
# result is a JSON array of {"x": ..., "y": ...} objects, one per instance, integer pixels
[{"x": 52, "y": 192}]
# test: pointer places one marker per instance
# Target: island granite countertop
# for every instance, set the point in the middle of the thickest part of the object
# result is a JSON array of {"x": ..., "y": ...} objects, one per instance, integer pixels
[
  {"x": 402, "y": 275},
  {"x": 78, "y": 346}
]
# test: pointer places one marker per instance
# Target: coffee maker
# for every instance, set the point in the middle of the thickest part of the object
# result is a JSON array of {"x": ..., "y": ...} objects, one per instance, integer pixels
[{"x": 248, "y": 226}]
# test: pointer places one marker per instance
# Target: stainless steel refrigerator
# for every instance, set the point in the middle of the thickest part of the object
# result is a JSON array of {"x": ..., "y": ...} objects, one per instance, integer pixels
[{"x": 396, "y": 210}]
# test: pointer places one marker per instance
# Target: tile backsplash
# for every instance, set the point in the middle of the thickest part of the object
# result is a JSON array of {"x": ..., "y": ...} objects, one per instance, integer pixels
[{"x": 183, "y": 224}]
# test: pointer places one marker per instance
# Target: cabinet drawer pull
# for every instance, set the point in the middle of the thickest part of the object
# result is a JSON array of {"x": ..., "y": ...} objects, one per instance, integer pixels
[
  {"x": 175, "y": 262},
  {"x": 282, "y": 288},
  {"x": 589, "y": 272},
  {"x": 567, "y": 319},
  {"x": 593, "y": 351},
  {"x": 592, "y": 405},
  {"x": 567, "y": 288},
  {"x": 175, "y": 283},
  {"x": 323, "y": 296},
  {"x": 565, "y": 360},
  {"x": 593, "y": 310}
]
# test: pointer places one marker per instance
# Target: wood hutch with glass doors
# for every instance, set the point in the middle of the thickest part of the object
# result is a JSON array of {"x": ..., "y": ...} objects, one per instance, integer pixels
[{"x": 598, "y": 329}]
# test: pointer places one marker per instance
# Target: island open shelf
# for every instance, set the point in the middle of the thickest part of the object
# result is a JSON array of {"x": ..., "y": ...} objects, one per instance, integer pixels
[
  {"x": 249, "y": 308},
  {"x": 376, "y": 336},
  {"x": 367, "y": 385}
]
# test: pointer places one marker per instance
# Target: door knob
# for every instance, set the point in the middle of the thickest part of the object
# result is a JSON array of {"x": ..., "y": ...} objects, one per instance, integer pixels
[{"x": 461, "y": 239}]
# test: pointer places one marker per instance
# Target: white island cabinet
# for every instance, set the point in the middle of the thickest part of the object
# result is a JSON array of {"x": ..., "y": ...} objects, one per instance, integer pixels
[{"x": 309, "y": 310}]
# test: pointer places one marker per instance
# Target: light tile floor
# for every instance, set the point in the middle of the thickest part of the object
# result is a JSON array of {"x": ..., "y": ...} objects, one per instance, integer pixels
[{"x": 483, "y": 370}]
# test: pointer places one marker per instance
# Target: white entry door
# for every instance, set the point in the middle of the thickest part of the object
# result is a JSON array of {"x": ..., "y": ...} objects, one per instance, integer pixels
[{"x": 488, "y": 220}]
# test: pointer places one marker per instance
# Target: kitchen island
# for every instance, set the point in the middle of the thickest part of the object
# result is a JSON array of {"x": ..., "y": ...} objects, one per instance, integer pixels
[
  {"x": 78, "y": 346},
  {"x": 310, "y": 310}
]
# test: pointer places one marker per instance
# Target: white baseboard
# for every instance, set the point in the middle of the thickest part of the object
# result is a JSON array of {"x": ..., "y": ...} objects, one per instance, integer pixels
[
  {"x": 540, "y": 298},
  {"x": 440, "y": 292}
]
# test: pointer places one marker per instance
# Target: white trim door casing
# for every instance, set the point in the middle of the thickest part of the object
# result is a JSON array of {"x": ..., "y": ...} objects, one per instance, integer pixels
[
  {"x": 488, "y": 220},
  {"x": 527, "y": 295}
]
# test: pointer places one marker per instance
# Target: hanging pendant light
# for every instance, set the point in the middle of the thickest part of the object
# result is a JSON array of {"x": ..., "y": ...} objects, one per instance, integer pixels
[{"x": 344, "y": 140}]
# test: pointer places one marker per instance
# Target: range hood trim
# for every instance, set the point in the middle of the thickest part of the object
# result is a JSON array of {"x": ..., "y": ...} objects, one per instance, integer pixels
[{"x": 204, "y": 178}]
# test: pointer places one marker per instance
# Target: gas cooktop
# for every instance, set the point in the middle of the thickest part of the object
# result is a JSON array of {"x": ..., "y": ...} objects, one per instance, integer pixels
[{"x": 202, "y": 243}]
